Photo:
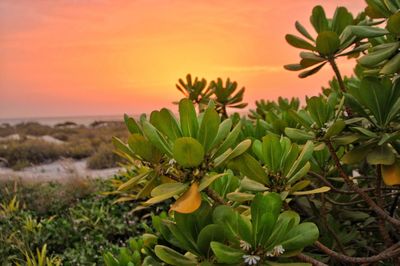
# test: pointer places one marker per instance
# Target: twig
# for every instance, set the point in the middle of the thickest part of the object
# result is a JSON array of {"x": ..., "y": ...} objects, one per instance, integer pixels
[
  {"x": 329, "y": 184},
  {"x": 215, "y": 197},
  {"x": 328, "y": 227},
  {"x": 381, "y": 222},
  {"x": 391, "y": 252},
  {"x": 309, "y": 259},
  {"x": 354, "y": 187}
]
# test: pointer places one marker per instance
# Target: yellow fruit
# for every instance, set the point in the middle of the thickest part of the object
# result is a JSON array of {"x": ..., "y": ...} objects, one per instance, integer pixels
[
  {"x": 391, "y": 174},
  {"x": 189, "y": 202}
]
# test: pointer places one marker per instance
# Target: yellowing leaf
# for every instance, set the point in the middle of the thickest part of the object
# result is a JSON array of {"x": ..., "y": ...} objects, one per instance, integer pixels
[
  {"x": 189, "y": 202},
  {"x": 391, "y": 174},
  {"x": 314, "y": 191}
]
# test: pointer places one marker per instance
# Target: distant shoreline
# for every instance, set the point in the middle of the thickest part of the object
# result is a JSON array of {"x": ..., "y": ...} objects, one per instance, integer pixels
[{"x": 52, "y": 121}]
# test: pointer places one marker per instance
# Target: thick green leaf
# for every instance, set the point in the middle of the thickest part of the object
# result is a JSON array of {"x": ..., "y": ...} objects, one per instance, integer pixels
[
  {"x": 166, "y": 191},
  {"x": 226, "y": 254},
  {"x": 188, "y": 118},
  {"x": 381, "y": 155},
  {"x": 304, "y": 156},
  {"x": 272, "y": 152},
  {"x": 236, "y": 226},
  {"x": 188, "y": 152},
  {"x": 299, "y": 42},
  {"x": 270, "y": 203},
  {"x": 284, "y": 224},
  {"x": 211, "y": 232},
  {"x": 172, "y": 257},
  {"x": 299, "y": 134},
  {"x": 300, "y": 173},
  {"x": 294, "y": 67},
  {"x": 341, "y": 19},
  {"x": 267, "y": 224},
  {"x": 301, "y": 236},
  {"x": 393, "y": 23},
  {"x": 230, "y": 140},
  {"x": 367, "y": 31},
  {"x": 249, "y": 184},
  {"x": 312, "y": 57},
  {"x": 356, "y": 155},
  {"x": 377, "y": 57},
  {"x": 154, "y": 136},
  {"x": 249, "y": 167},
  {"x": 320, "y": 111},
  {"x": 189, "y": 225},
  {"x": 300, "y": 28},
  {"x": 223, "y": 131},
  {"x": 208, "y": 128},
  {"x": 312, "y": 71},
  {"x": 209, "y": 179},
  {"x": 121, "y": 146},
  {"x": 335, "y": 128},
  {"x": 240, "y": 149},
  {"x": 166, "y": 123},
  {"x": 131, "y": 124},
  {"x": 142, "y": 147},
  {"x": 318, "y": 19},
  {"x": 327, "y": 42},
  {"x": 169, "y": 188},
  {"x": 300, "y": 185},
  {"x": 392, "y": 66},
  {"x": 377, "y": 9},
  {"x": 239, "y": 196}
]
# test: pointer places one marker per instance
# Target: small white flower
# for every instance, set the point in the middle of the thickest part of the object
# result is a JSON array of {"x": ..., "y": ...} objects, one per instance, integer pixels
[
  {"x": 276, "y": 251},
  {"x": 244, "y": 245},
  {"x": 251, "y": 259},
  {"x": 172, "y": 162}
]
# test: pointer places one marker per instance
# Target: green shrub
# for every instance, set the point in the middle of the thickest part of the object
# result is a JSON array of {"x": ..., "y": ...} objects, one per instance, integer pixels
[
  {"x": 33, "y": 129},
  {"x": 103, "y": 158},
  {"x": 79, "y": 149},
  {"x": 313, "y": 183},
  {"x": 30, "y": 151}
]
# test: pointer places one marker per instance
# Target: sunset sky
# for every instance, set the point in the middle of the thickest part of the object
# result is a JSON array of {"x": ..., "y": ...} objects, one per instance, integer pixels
[{"x": 98, "y": 57}]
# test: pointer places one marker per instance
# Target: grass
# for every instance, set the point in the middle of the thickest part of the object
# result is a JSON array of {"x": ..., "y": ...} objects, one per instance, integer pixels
[{"x": 73, "y": 219}]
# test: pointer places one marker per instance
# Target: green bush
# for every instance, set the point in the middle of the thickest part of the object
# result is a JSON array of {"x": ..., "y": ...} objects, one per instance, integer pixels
[
  {"x": 33, "y": 129},
  {"x": 30, "y": 151},
  {"x": 313, "y": 183},
  {"x": 103, "y": 158}
]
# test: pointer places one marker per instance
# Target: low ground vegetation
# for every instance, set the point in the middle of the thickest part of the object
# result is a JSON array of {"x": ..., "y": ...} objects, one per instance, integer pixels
[
  {"x": 79, "y": 142},
  {"x": 73, "y": 219}
]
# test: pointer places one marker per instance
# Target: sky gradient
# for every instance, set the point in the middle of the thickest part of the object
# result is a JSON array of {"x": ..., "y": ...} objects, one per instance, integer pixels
[{"x": 98, "y": 57}]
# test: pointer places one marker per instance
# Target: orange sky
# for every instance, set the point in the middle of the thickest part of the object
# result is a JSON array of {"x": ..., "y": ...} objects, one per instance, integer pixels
[{"x": 93, "y": 57}]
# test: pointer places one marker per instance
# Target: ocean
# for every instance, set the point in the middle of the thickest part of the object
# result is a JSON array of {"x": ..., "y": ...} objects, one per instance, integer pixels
[{"x": 51, "y": 121}]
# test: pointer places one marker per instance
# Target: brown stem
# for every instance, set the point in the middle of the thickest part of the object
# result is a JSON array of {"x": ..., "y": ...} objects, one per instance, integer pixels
[
  {"x": 391, "y": 252},
  {"x": 329, "y": 184},
  {"x": 309, "y": 259},
  {"x": 381, "y": 222},
  {"x": 215, "y": 197},
  {"x": 354, "y": 187},
  {"x": 328, "y": 227},
  {"x": 342, "y": 87},
  {"x": 335, "y": 68},
  {"x": 349, "y": 203}
]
